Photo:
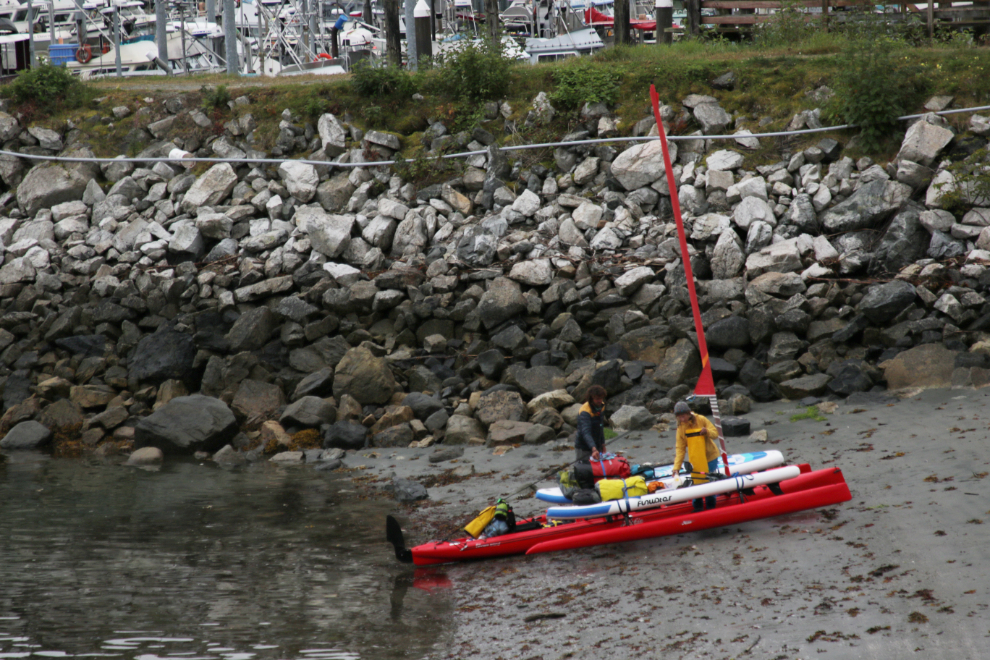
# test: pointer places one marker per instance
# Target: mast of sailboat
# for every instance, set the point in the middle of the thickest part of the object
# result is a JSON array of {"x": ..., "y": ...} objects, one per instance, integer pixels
[{"x": 706, "y": 384}]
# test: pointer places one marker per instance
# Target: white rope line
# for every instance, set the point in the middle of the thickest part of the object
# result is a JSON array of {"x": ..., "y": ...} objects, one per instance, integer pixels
[{"x": 464, "y": 154}]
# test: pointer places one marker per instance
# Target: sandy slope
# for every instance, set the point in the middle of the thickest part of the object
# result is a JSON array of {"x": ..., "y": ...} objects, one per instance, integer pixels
[{"x": 900, "y": 571}]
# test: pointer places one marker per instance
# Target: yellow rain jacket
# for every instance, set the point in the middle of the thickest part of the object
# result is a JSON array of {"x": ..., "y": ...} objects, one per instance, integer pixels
[{"x": 696, "y": 438}]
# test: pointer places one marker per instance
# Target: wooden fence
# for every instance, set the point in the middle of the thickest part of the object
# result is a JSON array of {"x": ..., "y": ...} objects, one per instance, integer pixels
[{"x": 740, "y": 15}]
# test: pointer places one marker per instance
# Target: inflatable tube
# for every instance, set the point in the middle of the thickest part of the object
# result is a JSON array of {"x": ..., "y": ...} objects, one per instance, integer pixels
[
  {"x": 466, "y": 549},
  {"x": 671, "y": 496},
  {"x": 696, "y": 522},
  {"x": 738, "y": 464}
]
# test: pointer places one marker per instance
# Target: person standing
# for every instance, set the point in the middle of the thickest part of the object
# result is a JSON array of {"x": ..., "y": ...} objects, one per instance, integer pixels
[
  {"x": 589, "y": 442},
  {"x": 696, "y": 438}
]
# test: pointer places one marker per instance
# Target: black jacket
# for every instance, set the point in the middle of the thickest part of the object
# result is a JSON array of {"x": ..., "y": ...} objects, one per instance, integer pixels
[{"x": 590, "y": 430}]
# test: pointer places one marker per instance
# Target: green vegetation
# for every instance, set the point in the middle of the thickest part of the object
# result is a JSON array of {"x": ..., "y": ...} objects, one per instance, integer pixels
[
  {"x": 609, "y": 433},
  {"x": 874, "y": 73},
  {"x": 472, "y": 72},
  {"x": 811, "y": 412},
  {"x": 582, "y": 81},
  {"x": 47, "y": 89},
  {"x": 215, "y": 98}
]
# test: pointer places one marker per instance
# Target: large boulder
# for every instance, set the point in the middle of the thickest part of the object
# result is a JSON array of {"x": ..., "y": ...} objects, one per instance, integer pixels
[
  {"x": 803, "y": 386},
  {"x": 164, "y": 355},
  {"x": 500, "y": 405},
  {"x": 730, "y": 332},
  {"x": 345, "y": 435},
  {"x": 187, "y": 424},
  {"x": 502, "y": 301},
  {"x": 47, "y": 185},
  {"x": 882, "y": 302},
  {"x": 211, "y": 188},
  {"x": 681, "y": 364},
  {"x": 632, "y": 418},
  {"x": 641, "y": 165},
  {"x": 904, "y": 242},
  {"x": 464, "y": 430},
  {"x": 300, "y": 179},
  {"x": 649, "y": 343},
  {"x": 866, "y": 208},
  {"x": 252, "y": 330},
  {"x": 925, "y": 140},
  {"x": 26, "y": 435},
  {"x": 928, "y": 365},
  {"x": 533, "y": 381},
  {"x": 364, "y": 376}
]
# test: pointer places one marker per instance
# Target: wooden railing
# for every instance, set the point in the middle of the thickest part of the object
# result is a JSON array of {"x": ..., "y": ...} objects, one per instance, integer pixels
[{"x": 738, "y": 15}]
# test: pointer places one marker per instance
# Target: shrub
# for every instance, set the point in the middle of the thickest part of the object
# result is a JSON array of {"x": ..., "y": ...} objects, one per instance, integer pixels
[
  {"x": 373, "y": 81},
  {"x": 786, "y": 27},
  {"x": 875, "y": 87},
  {"x": 215, "y": 98},
  {"x": 585, "y": 82},
  {"x": 473, "y": 71},
  {"x": 47, "y": 87}
]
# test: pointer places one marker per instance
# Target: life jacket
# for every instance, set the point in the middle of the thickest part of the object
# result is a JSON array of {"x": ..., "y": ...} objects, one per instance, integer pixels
[
  {"x": 617, "y": 489},
  {"x": 502, "y": 509}
]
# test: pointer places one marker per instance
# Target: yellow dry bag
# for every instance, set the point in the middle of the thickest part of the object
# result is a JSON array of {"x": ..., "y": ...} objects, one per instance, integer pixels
[
  {"x": 477, "y": 526},
  {"x": 617, "y": 489}
]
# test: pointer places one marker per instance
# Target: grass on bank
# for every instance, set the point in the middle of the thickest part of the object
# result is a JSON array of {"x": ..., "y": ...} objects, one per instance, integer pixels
[{"x": 874, "y": 75}]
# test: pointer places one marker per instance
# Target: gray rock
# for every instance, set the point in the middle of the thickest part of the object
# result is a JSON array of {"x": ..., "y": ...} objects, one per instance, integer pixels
[
  {"x": 318, "y": 384},
  {"x": 500, "y": 405},
  {"x": 229, "y": 456},
  {"x": 252, "y": 329},
  {"x": 308, "y": 412},
  {"x": 925, "y": 140},
  {"x": 632, "y": 418},
  {"x": 364, "y": 376},
  {"x": 904, "y": 242},
  {"x": 463, "y": 430},
  {"x": 46, "y": 185},
  {"x": 345, "y": 435},
  {"x": 533, "y": 381},
  {"x": 641, "y": 165},
  {"x": 882, "y": 302},
  {"x": 423, "y": 405},
  {"x": 730, "y": 332},
  {"x": 213, "y": 187},
  {"x": 681, "y": 364},
  {"x": 406, "y": 490},
  {"x": 798, "y": 388},
  {"x": 712, "y": 117},
  {"x": 501, "y": 302},
  {"x": 866, "y": 208},
  {"x": 441, "y": 454},
  {"x": 187, "y": 424},
  {"x": 26, "y": 435},
  {"x": 146, "y": 456},
  {"x": 164, "y": 355}
]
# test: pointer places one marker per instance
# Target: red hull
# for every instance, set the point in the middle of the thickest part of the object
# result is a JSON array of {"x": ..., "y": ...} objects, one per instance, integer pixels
[
  {"x": 464, "y": 549},
  {"x": 696, "y": 522}
]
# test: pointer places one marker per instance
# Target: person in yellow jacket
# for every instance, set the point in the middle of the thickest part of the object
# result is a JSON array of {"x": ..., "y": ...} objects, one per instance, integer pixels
[{"x": 696, "y": 438}]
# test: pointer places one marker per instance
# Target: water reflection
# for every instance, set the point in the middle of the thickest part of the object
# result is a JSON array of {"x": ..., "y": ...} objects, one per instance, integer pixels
[{"x": 195, "y": 562}]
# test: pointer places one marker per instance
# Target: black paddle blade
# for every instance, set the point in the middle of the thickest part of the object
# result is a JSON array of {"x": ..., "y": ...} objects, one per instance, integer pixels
[{"x": 393, "y": 534}]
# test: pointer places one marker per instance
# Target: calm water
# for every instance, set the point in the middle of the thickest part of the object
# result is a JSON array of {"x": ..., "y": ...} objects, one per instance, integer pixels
[{"x": 195, "y": 562}]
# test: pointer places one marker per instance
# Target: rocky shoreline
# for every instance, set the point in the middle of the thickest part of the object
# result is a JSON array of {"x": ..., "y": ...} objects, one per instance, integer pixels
[{"x": 298, "y": 312}]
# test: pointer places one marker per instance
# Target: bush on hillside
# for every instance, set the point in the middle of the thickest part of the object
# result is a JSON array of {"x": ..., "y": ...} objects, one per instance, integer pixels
[
  {"x": 47, "y": 88},
  {"x": 585, "y": 82},
  {"x": 373, "y": 81},
  {"x": 473, "y": 71}
]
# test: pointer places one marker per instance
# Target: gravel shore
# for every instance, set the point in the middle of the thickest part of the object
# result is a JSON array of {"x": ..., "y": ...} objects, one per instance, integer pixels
[{"x": 892, "y": 573}]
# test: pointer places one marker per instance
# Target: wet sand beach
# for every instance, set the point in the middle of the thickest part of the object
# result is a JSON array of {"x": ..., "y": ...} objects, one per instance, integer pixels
[{"x": 896, "y": 572}]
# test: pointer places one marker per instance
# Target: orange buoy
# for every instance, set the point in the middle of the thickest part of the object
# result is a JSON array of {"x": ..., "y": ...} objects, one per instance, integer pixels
[{"x": 84, "y": 54}]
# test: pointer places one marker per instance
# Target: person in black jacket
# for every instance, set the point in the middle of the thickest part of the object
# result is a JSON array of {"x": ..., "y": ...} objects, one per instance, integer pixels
[{"x": 590, "y": 439}]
